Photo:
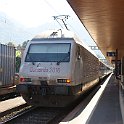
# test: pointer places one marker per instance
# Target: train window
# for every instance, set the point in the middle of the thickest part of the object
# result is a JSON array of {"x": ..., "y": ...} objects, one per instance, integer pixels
[{"x": 48, "y": 52}]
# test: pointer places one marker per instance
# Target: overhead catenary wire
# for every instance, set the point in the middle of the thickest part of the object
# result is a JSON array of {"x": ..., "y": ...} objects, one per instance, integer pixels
[{"x": 57, "y": 13}]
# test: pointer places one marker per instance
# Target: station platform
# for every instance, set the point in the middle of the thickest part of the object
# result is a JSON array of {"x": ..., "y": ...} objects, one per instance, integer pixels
[
  {"x": 108, "y": 110},
  {"x": 11, "y": 103},
  {"x": 106, "y": 107}
]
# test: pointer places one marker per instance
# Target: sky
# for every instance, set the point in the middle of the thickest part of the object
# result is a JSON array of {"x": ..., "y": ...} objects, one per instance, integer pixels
[{"x": 32, "y": 14}]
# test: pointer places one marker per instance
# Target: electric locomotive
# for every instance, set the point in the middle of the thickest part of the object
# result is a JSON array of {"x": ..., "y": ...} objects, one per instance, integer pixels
[{"x": 56, "y": 69}]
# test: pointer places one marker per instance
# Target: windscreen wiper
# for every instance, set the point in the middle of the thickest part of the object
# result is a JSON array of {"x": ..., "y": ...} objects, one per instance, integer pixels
[
  {"x": 31, "y": 59},
  {"x": 63, "y": 58}
]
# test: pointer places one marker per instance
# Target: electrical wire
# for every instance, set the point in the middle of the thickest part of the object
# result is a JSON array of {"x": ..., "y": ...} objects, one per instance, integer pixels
[{"x": 57, "y": 13}]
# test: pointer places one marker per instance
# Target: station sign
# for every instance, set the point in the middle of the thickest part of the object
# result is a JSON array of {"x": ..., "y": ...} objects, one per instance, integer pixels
[{"x": 111, "y": 54}]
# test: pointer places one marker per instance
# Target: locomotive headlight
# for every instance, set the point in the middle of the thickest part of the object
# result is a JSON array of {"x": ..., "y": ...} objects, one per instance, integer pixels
[
  {"x": 68, "y": 81},
  {"x": 63, "y": 80}
]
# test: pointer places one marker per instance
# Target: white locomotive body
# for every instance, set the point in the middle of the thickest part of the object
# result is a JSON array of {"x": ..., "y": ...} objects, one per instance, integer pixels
[{"x": 57, "y": 68}]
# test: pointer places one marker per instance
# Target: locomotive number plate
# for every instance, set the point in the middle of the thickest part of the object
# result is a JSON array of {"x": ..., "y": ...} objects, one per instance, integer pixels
[{"x": 42, "y": 78}]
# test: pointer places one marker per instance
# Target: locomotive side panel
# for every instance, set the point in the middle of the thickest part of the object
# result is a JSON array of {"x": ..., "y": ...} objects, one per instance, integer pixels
[
  {"x": 91, "y": 67},
  {"x": 86, "y": 70},
  {"x": 78, "y": 65},
  {"x": 86, "y": 66}
]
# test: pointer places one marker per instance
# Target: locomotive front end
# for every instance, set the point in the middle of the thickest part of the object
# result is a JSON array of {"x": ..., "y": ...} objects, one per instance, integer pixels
[{"x": 45, "y": 73}]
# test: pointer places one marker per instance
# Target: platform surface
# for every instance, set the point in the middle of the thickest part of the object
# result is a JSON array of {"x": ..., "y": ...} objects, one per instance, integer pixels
[
  {"x": 108, "y": 108},
  {"x": 103, "y": 108},
  {"x": 11, "y": 103}
]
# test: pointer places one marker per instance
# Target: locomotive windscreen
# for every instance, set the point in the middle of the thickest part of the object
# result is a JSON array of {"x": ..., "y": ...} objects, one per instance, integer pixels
[{"x": 48, "y": 52}]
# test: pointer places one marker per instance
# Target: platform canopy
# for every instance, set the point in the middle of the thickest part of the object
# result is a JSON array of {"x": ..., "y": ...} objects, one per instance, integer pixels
[{"x": 104, "y": 20}]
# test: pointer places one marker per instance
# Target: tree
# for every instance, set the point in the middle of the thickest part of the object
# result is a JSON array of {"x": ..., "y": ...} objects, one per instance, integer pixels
[
  {"x": 18, "y": 63},
  {"x": 24, "y": 44},
  {"x": 19, "y": 47},
  {"x": 11, "y": 44}
]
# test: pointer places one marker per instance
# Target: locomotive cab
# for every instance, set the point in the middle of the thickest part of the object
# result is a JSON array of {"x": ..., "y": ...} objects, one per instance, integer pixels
[{"x": 48, "y": 62}]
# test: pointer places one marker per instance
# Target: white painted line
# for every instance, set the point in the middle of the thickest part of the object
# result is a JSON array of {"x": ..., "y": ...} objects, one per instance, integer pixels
[
  {"x": 86, "y": 114},
  {"x": 121, "y": 98}
]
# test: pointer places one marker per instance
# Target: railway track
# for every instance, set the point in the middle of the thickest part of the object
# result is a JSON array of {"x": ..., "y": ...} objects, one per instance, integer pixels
[
  {"x": 8, "y": 96},
  {"x": 12, "y": 113},
  {"x": 37, "y": 115},
  {"x": 45, "y": 115}
]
